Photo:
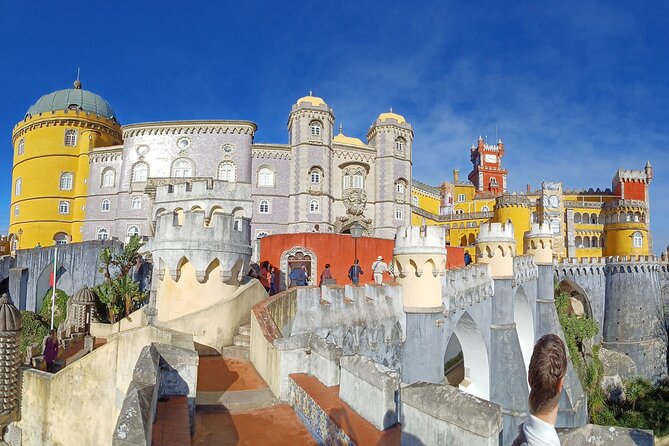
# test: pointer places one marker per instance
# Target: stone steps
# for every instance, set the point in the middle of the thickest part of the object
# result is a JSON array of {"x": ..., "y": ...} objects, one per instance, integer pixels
[
  {"x": 241, "y": 340},
  {"x": 236, "y": 352},
  {"x": 238, "y": 401},
  {"x": 245, "y": 329}
]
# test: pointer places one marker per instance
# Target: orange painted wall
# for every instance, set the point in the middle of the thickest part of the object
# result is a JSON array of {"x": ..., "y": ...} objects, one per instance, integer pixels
[
  {"x": 455, "y": 256},
  {"x": 335, "y": 249},
  {"x": 635, "y": 191}
]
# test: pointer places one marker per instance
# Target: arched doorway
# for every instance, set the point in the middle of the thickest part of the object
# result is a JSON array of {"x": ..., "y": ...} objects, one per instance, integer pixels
[
  {"x": 298, "y": 257},
  {"x": 44, "y": 283},
  {"x": 522, "y": 316},
  {"x": 471, "y": 373},
  {"x": 579, "y": 303}
]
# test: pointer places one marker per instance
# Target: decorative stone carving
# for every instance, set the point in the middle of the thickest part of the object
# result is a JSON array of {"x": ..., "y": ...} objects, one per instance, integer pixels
[
  {"x": 10, "y": 330},
  {"x": 300, "y": 253},
  {"x": 355, "y": 201},
  {"x": 462, "y": 288},
  {"x": 524, "y": 269}
]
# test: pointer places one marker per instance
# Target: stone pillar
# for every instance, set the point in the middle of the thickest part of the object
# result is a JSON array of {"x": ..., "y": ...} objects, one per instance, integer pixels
[
  {"x": 420, "y": 261},
  {"x": 10, "y": 330}
]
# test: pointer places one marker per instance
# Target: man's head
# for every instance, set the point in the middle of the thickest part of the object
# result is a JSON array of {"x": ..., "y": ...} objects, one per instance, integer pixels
[
  {"x": 546, "y": 374},
  {"x": 379, "y": 258},
  {"x": 356, "y": 261}
]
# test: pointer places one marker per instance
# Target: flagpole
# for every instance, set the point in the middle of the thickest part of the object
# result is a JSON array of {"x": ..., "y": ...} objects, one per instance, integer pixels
[{"x": 55, "y": 276}]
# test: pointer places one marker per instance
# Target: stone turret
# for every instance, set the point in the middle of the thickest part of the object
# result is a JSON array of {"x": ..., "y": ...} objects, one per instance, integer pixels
[
  {"x": 420, "y": 260},
  {"x": 82, "y": 305},
  {"x": 496, "y": 247},
  {"x": 539, "y": 243},
  {"x": 515, "y": 208},
  {"x": 10, "y": 330}
]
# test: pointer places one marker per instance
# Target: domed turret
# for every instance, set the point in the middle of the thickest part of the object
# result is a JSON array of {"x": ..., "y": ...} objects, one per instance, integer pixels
[
  {"x": 390, "y": 115},
  {"x": 313, "y": 100},
  {"x": 72, "y": 99}
]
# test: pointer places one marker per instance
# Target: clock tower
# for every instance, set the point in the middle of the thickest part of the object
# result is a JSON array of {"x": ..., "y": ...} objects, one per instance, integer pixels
[{"x": 487, "y": 174}]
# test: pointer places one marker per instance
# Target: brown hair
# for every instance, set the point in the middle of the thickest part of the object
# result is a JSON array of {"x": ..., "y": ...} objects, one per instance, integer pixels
[{"x": 547, "y": 367}]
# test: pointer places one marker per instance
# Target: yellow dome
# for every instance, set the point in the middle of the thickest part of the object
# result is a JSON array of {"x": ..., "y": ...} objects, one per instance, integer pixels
[
  {"x": 343, "y": 139},
  {"x": 390, "y": 115},
  {"x": 313, "y": 100}
]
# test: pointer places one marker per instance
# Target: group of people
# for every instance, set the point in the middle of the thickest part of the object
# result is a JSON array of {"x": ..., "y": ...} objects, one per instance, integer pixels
[{"x": 266, "y": 275}]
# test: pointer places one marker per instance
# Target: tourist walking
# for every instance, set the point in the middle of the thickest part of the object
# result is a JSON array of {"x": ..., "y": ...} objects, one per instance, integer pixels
[
  {"x": 326, "y": 276},
  {"x": 468, "y": 258},
  {"x": 378, "y": 268},
  {"x": 548, "y": 367},
  {"x": 51, "y": 350},
  {"x": 264, "y": 275},
  {"x": 298, "y": 277},
  {"x": 272, "y": 281},
  {"x": 354, "y": 272}
]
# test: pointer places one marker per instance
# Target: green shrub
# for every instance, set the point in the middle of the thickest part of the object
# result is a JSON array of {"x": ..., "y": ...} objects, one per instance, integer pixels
[
  {"x": 61, "y": 307},
  {"x": 33, "y": 332}
]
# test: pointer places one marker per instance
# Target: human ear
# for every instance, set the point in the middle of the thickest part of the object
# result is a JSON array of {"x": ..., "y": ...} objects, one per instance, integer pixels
[{"x": 560, "y": 384}]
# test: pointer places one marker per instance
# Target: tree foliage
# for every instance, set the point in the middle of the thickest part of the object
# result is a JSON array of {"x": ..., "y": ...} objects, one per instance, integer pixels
[
  {"x": 120, "y": 293},
  {"x": 60, "y": 314},
  {"x": 35, "y": 328}
]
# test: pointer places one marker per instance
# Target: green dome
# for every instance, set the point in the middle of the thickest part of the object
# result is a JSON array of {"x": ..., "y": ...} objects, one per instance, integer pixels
[{"x": 72, "y": 99}]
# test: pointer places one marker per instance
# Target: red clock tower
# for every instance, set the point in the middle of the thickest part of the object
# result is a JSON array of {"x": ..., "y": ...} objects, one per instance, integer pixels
[{"x": 487, "y": 174}]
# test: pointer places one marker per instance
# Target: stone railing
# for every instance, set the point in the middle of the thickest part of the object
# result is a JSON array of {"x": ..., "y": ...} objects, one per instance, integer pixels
[
  {"x": 464, "y": 287},
  {"x": 583, "y": 204},
  {"x": 451, "y": 217},
  {"x": 524, "y": 269}
]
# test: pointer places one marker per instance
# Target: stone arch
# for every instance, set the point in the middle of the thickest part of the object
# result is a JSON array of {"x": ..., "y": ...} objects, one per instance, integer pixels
[
  {"x": 63, "y": 282},
  {"x": 416, "y": 271},
  {"x": 159, "y": 213},
  {"x": 463, "y": 240},
  {"x": 579, "y": 300},
  {"x": 524, "y": 319},
  {"x": 182, "y": 261},
  {"x": 472, "y": 239},
  {"x": 476, "y": 376},
  {"x": 299, "y": 255}
]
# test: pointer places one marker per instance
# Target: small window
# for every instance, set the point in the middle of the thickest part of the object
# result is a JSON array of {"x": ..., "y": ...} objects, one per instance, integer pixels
[
  {"x": 314, "y": 206},
  {"x": 315, "y": 176},
  {"x": 70, "y": 138},
  {"x": 61, "y": 239},
  {"x": 262, "y": 234},
  {"x": 140, "y": 172},
  {"x": 22, "y": 146},
  {"x": 102, "y": 234},
  {"x": 64, "y": 207},
  {"x": 265, "y": 177},
  {"x": 17, "y": 187},
  {"x": 399, "y": 187},
  {"x": 66, "y": 181},
  {"x": 493, "y": 181},
  {"x": 637, "y": 240},
  {"x": 263, "y": 207},
  {"x": 136, "y": 202},
  {"x": 461, "y": 198},
  {"x": 399, "y": 144},
  {"x": 108, "y": 178},
  {"x": 485, "y": 209},
  {"x": 182, "y": 169},
  {"x": 315, "y": 128},
  {"x": 227, "y": 172},
  {"x": 459, "y": 211},
  {"x": 105, "y": 205},
  {"x": 399, "y": 215},
  {"x": 16, "y": 210},
  {"x": 132, "y": 230},
  {"x": 358, "y": 181},
  {"x": 414, "y": 200}
]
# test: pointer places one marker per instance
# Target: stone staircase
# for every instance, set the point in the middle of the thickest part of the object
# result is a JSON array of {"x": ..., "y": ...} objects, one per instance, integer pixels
[{"x": 240, "y": 344}]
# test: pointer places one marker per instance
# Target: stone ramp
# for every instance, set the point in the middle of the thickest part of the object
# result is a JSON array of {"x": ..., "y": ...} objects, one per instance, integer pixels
[{"x": 235, "y": 401}]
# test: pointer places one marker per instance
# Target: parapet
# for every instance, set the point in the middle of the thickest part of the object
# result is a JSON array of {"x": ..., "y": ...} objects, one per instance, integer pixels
[
  {"x": 496, "y": 232},
  {"x": 512, "y": 200},
  {"x": 624, "y": 204},
  {"x": 464, "y": 287},
  {"x": 420, "y": 240},
  {"x": 538, "y": 230},
  {"x": 630, "y": 175},
  {"x": 171, "y": 190}
]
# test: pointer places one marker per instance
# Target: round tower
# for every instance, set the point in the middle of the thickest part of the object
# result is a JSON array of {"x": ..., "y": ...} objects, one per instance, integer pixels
[
  {"x": 625, "y": 228},
  {"x": 539, "y": 243},
  {"x": 419, "y": 259},
  {"x": 51, "y": 166},
  {"x": 516, "y": 209},
  {"x": 10, "y": 331},
  {"x": 496, "y": 246}
]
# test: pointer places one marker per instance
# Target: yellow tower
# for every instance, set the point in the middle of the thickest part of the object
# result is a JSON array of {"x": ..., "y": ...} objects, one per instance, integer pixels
[
  {"x": 626, "y": 228},
  {"x": 50, "y": 170},
  {"x": 496, "y": 246},
  {"x": 514, "y": 209}
]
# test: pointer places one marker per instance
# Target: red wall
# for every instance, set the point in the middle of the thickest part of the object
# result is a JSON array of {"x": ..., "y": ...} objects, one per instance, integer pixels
[
  {"x": 635, "y": 191},
  {"x": 338, "y": 251}
]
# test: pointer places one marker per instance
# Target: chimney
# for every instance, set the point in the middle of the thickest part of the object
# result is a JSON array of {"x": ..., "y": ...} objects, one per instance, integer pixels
[{"x": 456, "y": 175}]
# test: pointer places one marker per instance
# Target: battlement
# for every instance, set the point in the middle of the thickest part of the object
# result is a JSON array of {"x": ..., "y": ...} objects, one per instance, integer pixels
[
  {"x": 496, "y": 232},
  {"x": 586, "y": 265},
  {"x": 624, "y": 205},
  {"x": 537, "y": 230},
  {"x": 512, "y": 200},
  {"x": 630, "y": 175},
  {"x": 420, "y": 240},
  {"x": 524, "y": 269},
  {"x": 174, "y": 189},
  {"x": 463, "y": 287}
]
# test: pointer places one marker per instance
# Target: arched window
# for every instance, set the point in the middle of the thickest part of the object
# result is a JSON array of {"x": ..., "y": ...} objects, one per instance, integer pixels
[
  {"x": 493, "y": 181},
  {"x": 358, "y": 181},
  {"x": 461, "y": 198},
  {"x": 315, "y": 175},
  {"x": 399, "y": 215},
  {"x": 136, "y": 202},
  {"x": 265, "y": 177},
  {"x": 102, "y": 234},
  {"x": 578, "y": 241},
  {"x": 105, "y": 205},
  {"x": 140, "y": 172},
  {"x": 16, "y": 210},
  {"x": 182, "y": 168},
  {"x": 61, "y": 238},
  {"x": 263, "y": 207},
  {"x": 577, "y": 217},
  {"x": 17, "y": 187},
  {"x": 314, "y": 206},
  {"x": 400, "y": 144},
  {"x": 414, "y": 200},
  {"x": 637, "y": 240},
  {"x": 595, "y": 242},
  {"x": 485, "y": 209},
  {"x": 70, "y": 138},
  {"x": 586, "y": 242},
  {"x": 108, "y": 177},
  {"x": 262, "y": 234},
  {"x": 459, "y": 211},
  {"x": 22, "y": 146},
  {"x": 64, "y": 207},
  {"x": 227, "y": 171},
  {"x": 132, "y": 230},
  {"x": 66, "y": 180},
  {"x": 315, "y": 128},
  {"x": 400, "y": 186}
]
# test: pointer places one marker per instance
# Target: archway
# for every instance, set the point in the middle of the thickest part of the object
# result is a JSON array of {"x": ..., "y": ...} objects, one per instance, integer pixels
[
  {"x": 298, "y": 256},
  {"x": 475, "y": 371},
  {"x": 579, "y": 303},
  {"x": 522, "y": 315},
  {"x": 44, "y": 283}
]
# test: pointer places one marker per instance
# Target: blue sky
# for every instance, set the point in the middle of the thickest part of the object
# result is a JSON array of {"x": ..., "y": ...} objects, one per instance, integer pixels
[{"x": 578, "y": 89}]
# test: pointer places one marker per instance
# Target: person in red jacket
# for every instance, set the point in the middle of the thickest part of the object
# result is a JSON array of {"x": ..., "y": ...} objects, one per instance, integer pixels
[{"x": 264, "y": 275}]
